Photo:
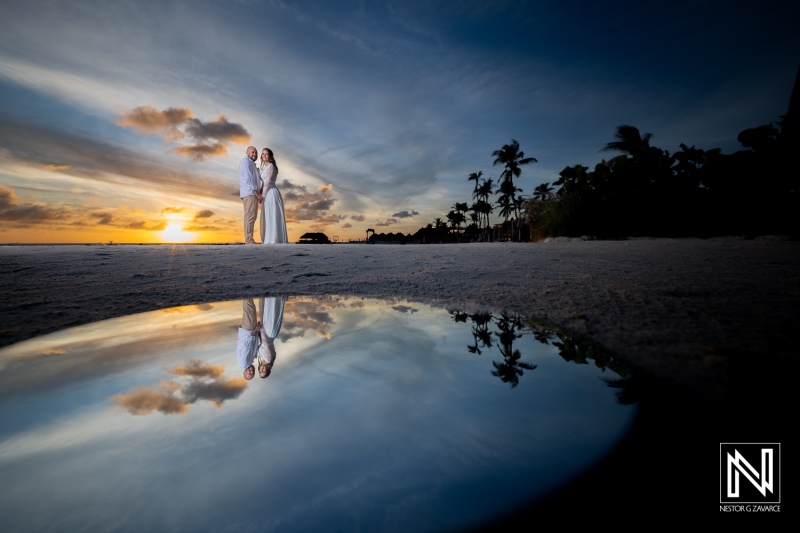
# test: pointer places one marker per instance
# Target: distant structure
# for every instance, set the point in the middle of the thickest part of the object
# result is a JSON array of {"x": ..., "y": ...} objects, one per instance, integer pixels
[{"x": 314, "y": 238}]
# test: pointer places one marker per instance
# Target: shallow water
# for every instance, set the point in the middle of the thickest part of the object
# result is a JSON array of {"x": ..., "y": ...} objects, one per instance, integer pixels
[{"x": 376, "y": 415}]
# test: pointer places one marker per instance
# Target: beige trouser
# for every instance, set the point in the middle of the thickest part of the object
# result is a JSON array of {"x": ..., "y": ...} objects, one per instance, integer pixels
[
  {"x": 248, "y": 313},
  {"x": 250, "y": 214}
]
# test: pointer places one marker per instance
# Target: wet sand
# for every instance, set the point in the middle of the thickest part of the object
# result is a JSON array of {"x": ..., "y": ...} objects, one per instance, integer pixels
[{"x": 709, "y": 326}]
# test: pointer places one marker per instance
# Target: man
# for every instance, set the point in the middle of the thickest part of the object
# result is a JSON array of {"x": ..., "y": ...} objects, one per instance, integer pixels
[
  {"x": 248, "y": 339},
  {"x": 249, "y": 192}
]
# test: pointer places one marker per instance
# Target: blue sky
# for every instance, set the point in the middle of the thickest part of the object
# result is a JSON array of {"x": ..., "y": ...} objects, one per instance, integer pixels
[{"x": 375, "y": 110}]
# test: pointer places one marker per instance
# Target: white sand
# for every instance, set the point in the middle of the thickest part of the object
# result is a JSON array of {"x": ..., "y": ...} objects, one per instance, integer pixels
[{"x": 687, "y": 311}]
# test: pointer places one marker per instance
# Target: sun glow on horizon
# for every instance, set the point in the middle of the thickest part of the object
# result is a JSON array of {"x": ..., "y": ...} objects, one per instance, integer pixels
[{"x": 174, "y": 233}]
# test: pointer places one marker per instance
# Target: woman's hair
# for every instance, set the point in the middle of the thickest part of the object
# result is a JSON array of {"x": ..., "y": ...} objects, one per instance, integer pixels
[{"x": 271, "y": 160}]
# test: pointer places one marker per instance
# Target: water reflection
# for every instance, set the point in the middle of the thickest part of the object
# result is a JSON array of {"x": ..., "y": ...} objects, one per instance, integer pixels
[
  {"x": 571, "y": 347},
  {"x": 377, "y": 419}
]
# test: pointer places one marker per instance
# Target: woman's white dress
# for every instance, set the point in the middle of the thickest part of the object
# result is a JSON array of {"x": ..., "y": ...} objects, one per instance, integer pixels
[
  {"x": 273, "y": 220},
  {"x": 270, "y": 311}
]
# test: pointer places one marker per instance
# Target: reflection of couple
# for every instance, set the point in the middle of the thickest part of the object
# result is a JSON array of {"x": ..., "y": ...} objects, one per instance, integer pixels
[
  {"x": 257, "y": 335},
  {"x": 256, "y": 190}
]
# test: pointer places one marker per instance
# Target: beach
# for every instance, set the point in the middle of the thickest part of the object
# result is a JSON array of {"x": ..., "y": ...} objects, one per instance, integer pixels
[{"x": 708, "y": 324}]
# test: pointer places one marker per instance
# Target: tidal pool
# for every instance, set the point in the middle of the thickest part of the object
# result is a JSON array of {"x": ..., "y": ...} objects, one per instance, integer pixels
[{"x": 375, "y": 415}]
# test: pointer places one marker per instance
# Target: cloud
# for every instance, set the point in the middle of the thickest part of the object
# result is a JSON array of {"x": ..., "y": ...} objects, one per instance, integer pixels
[
  {"x": 199, "y": 152},
  {"x": 161, "y": 226},
  {"x": 206, "y": 382},
  {"x": 205, "y": 213},
  {"x": 358, "y": 218},
  {"x": 220, "y": 129},
  {"x": 24, "y": 215},
  {"x": 405, "y": 214},
  {"x": 211, "y": 138},
  {"x": 168, "y": 210},
  {"x": 347, "y": 225},
  {"x": 100, "y": 160},
  {"x": 312, "y": 206},
  {"x": 149, "y": 120},
  {"x": 386, "y": 222},
  {"x": 192, "y": 227},
  {"x": 105, "y": 218}
]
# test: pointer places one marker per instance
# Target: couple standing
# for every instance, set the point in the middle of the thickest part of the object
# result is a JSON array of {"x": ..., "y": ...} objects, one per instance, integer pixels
[{"x": 259, "y": 189}]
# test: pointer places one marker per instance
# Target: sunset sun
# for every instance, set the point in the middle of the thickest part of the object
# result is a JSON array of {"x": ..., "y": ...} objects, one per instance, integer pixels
[{"x": 174, "y": 233}]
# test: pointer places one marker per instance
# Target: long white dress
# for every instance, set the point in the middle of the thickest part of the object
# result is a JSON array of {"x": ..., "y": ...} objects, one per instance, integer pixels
[
  {"x": 270, "y": 311},
  {"x": 273, "y": 219}
]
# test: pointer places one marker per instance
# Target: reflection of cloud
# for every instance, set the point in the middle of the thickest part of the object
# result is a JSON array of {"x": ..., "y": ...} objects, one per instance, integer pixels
[
  {"x": 404, "y": 309},
  {"x": 144, "y": 400},
  {"x": 204, "y": 307},
  {"x": 198, "y": 369},
  {"x": 52, "y": 351},
  {"x": 206, "y": 382},
  {"x": 216, "y": 391},
  {"x": 300, "y": 316}
]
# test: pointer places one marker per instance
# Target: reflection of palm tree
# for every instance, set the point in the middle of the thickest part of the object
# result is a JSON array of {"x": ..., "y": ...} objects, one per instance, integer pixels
[{"x": 511, "y": 368}]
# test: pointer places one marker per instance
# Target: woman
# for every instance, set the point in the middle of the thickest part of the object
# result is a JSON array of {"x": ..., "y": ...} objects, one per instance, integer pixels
[
  {"x": 271, "y": 313},
  {"x": 273, "y": 221}
]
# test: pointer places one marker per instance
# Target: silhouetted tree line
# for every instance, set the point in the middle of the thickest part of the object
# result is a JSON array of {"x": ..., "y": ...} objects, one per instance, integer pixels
[{"x": 646, "y": 191}]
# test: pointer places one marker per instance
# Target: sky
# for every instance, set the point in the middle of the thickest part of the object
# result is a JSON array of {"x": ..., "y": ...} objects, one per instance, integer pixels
[{"x": 125, "y": 121}]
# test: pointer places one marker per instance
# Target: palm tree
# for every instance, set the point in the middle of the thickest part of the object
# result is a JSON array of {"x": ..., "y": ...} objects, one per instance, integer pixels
[
  {"x": 475, "y": 176},
  {"x": 511, "y": 157},
  {"x": 629, "y": 141},
  {"x": 542, "y": 192},
  {"x": 508, "y": 202}
]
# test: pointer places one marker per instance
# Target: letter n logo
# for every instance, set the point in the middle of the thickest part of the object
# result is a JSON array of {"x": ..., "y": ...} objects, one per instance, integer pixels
[{"x": 750, "y": 473}]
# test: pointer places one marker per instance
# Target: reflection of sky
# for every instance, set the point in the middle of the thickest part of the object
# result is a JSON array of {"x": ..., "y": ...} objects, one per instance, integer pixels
[{"x": 373, "y": 414}]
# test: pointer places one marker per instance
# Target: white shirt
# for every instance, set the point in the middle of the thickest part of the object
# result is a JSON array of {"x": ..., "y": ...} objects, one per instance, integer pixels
[
  {"x": 246, "y": 348},
  {"x": 248, "y": 178}
]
